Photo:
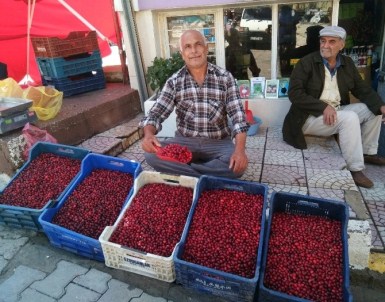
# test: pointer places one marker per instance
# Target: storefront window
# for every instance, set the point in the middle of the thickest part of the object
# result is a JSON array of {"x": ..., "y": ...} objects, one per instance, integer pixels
[
  {"x": 248, "y": 41},
  {"x": 203, "y": 23},
  {"x": 298, "y": 31},
  {"x": 248, "y": 37}
]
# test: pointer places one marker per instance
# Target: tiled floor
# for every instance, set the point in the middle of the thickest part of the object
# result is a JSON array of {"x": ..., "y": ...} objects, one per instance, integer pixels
[{"x": 318, "y": 171}]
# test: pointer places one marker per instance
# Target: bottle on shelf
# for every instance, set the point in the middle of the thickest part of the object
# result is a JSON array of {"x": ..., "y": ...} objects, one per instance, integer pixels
[
  {"x": 369, "y": 55},
  {"x": 354, "y": 55}
]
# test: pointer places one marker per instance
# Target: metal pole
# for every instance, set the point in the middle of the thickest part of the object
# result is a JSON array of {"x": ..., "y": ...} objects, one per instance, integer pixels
[{"x": 133, "y": 40}]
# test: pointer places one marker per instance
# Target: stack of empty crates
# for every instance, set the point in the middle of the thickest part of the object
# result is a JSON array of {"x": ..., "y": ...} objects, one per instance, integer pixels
[{"x": 72, "y": 65}]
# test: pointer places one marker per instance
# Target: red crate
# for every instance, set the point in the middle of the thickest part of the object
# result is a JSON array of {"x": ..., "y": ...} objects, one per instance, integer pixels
[{"x": 76, "y": 42}]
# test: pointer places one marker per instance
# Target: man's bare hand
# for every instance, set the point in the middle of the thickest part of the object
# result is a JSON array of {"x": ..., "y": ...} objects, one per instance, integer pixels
[
  {"x": 238, "y": 162},
  {"x": 150, "y": 143},
  {"x": 330, "y": 116},
  {"x": 382, "y": 108}
]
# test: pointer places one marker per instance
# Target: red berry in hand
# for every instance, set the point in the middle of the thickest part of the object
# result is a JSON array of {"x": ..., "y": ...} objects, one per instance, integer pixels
[{"x": 176, "y": 152}]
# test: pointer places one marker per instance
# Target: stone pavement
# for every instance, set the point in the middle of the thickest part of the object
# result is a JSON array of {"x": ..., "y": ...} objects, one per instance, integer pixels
[{"x": 33, "y": 270}]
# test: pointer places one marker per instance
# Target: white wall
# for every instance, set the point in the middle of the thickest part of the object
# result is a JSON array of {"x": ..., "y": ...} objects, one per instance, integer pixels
[{"x": 271, "y": 111}]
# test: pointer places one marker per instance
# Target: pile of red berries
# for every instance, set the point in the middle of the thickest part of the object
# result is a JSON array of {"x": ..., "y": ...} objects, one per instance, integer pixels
[
  {"x": 42, "y": 180},
  {"x": 176, "y": 153},
  {"x": 95, "y": 203},
  {"x": 305, "y": 257},
  {"x": 155, "y": 219},
  {"x": 224, "y": 232}
]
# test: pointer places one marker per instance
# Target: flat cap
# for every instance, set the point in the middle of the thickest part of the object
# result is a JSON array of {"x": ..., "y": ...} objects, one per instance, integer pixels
[{"x": 333, "y": 31}]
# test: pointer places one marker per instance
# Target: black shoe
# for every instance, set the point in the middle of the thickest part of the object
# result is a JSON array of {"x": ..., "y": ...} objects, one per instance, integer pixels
[
  {"x": 374, "y": 159},
  {"x": 361, "y": 180}
]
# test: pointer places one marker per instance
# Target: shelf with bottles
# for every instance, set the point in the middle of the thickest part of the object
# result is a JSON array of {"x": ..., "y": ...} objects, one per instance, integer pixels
[
  {"x": 362, "y": 55},
  {"x": 204, "y": 23}
]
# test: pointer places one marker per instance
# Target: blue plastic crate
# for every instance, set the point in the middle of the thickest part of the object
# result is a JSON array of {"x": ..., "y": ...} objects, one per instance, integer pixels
[
  {"x": 21, "y": 217},
  {"x": 69, "y": 66},
  {"x": 72, "y": 241},
  {"x": 81, "y": 83},
  {"x": 301, "y": 204},
  {"x": 212, "y": 281}
]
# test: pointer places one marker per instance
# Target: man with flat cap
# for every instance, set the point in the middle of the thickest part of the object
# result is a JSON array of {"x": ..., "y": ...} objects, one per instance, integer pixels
[{"x": 319, "y": 92}]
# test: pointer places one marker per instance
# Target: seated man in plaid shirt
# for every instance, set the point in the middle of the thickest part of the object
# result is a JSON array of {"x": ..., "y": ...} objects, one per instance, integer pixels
[{"x": 205, "y": 98}]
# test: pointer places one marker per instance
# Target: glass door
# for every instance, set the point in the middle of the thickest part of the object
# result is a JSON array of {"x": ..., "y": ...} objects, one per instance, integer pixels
[{"x": 202, "y": 22}]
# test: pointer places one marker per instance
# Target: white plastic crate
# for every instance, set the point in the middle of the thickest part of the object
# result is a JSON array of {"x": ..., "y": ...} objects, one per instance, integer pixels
[{"x": 128, "y": 259}]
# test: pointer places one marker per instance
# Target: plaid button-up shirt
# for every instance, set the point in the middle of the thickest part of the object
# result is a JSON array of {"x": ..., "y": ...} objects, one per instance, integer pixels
[{"x": 202, "y": 111}]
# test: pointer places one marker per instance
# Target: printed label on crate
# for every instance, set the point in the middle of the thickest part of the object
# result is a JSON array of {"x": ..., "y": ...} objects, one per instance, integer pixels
[
  {"x": 137, "y": 262},
  {"x": 209, "y": 283}
]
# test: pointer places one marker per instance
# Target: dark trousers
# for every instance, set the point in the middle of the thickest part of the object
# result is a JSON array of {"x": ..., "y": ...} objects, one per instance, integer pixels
[{"x": 210, "y": 157}]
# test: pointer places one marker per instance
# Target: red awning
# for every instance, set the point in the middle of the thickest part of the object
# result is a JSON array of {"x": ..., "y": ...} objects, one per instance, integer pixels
[{"x": 50, "y": 18}]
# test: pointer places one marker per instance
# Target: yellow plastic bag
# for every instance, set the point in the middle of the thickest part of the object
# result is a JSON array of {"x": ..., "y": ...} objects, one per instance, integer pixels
[
  {"x": 10, "y": 88},
  {"x": 47, "y": 101}
]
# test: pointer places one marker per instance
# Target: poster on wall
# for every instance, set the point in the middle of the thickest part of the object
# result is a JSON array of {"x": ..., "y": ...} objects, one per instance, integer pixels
[
  {"x": 271, "y": 91},
  {"x": 283, "y": 87},
  {"x": 257, "y": 87},
  {"x": 244, "y": 88}
]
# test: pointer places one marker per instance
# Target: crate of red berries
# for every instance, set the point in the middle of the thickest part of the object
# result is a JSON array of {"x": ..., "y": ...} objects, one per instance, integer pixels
[
  {"x": 39, "y": 183},
  {"x": 305, "y": 255},
  {"x": 221, "y": 247},
  {"x": 145, "y": 235},
  {"x": 93, "y": 201}
]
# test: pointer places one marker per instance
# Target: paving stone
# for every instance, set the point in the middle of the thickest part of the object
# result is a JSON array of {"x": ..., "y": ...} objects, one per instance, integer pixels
[
  {"x": 15, "y": 233},
  {"x": 139, "y": 157},
  {"x": 31, "y": 295},
  {"x": 9, "y": 247},
  {"x": 377, "y": 241},
  {"x": 22, "y": 277},
  {"x": 4, "y": 180},
  {"x": 74, "y": 292},
  {"x": 274, "y": 132},
  {"x": 119, "y": 291},
  {"x": 100, "y": 144},
  {"x": 252, "y": 173},
  {"x": 322, "y": 144},
  {"x": 318, "y": 160},
  {"x": 330, "y": 179},
  {"x": 376, "y": 193},
  {"x": 147, "y": 298},
  {"x": 137, "y": 148},
  {"x": 53, "y": 285},
  {"x": 255, "y": 155},
  {"x": 287, "y": 189},
  {"x": 256, "y": 142},
  {"x": 375, "y": 173},
  {"x": 359, "y": 241},
  {"x": 283, "y": 175},
  {"x": 333, "y": 194},
  {"x": 377, "y": 211},
  {"x": 121, "y": 130},
  {"x": 355, "y": 201},
  {"x": 284, "y": 158},
  {"x": 3, "y": 263},
  {"x": 94, "y": 280},
  {"x": 278, "y": 144}
]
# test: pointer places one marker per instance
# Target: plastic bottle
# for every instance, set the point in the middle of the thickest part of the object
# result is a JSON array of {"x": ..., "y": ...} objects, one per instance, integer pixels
[
  {"x": 354, "y": 55},
  {"x": 369, "y": 55}
]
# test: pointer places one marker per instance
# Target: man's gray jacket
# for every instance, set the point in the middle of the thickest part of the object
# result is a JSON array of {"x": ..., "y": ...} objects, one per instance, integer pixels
[{"x": 306, "y": 85}]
